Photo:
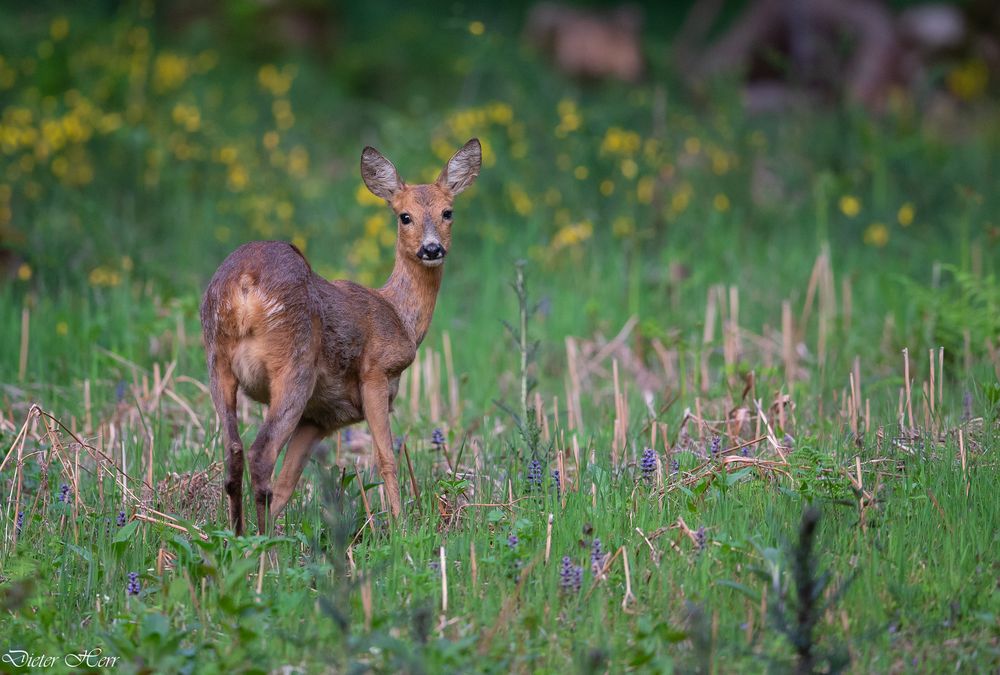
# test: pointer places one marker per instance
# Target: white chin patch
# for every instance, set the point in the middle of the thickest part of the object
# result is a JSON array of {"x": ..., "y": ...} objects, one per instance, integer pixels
[{"x": 432, "y": 263}]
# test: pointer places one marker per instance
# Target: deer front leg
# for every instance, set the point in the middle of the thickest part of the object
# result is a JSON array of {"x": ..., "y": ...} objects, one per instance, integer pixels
[{"x": 375, "y": 398}]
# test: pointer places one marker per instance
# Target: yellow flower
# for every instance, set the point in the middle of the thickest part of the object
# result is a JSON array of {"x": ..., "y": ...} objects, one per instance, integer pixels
[
  {"x": 374, "y": 224},
  {"x": 906, "y": 214},
  {"x": 644, "y": 189},
  {"x": 692, "y": 146},
  {"x": 276, "y": 82},
  {"x": 104, "y": 276},
  {"x": 477, "y": 28},
  {"x": 169, "y": 71},
  {"x": 284, "y": 210},
  {"x": 283, "y": 116},
  {"x": 59, "y": 28},
  {"x": 877, "y": 235},
  {"x": 969, "y": 80},
  {"x": 623, "y": 226},
  {"x": 850, "y": 206},
  {"x": 607, "y": 188},
  {"x": 720, "y": 163},
  {"x": 581, "y": 172},
  {"x": 24, "y": 272},
  {"x": 298, "y": 162},
  {"x": 569, "y": 117},
  {"x": 365, "y": 197},
  {"x": 271, "y": 139},
  {"x": 618, "y": 141},
  {"x": 237, "y": 178},
  {"x": 629, "y": 168},
  {"x": 721, "y": 202},
  {"x": 571, "y": 235},
  {"x": 60, "y": 165},
  {"x": 62, "y": 328},
  {"x": 520, "y": 199}
]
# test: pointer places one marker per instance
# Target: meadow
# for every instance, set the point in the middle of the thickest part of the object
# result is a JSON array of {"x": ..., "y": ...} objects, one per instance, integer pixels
[{"x": 761, "y": 357}]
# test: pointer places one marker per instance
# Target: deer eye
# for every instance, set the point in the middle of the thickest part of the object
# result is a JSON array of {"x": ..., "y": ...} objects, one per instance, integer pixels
[
  {"x": 446, "y": 214},
  {"x": 405, "y": 219}
]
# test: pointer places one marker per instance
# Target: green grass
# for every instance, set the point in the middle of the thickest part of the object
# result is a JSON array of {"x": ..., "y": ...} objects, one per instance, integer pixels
[{"x": 111, "y": 271}]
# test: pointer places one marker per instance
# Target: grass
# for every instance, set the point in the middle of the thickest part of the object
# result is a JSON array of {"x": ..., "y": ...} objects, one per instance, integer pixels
[{"x": 709, "y": 210}]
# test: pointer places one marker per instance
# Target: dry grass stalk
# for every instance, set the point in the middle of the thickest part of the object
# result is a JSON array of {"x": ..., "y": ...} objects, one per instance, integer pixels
[
  {"x": 473, "y": 566},
  {"x": 707, "y": 338},
  {"x": 444, "y": 582}
]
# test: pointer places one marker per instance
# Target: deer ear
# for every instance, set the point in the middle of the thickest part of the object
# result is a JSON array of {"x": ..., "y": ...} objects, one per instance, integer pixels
[
  {"x": 463, "y": 167},
  {"x": 379, "y": 174}
]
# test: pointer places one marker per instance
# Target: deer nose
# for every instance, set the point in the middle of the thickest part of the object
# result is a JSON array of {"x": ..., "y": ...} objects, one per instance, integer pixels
[{"x": 431, "y": 251}]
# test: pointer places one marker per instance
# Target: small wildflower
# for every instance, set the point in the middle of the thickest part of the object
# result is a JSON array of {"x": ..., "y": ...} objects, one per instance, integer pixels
[
  {"x": 437, "y": 438},
  {"x": 120, "y": 520},
  {"x": 850, "y": 206},
  {"x": 877, "y": 235},
  {"x": 555, "y": 477},
  {"x": 534, "y": 473},
  {"x": 133, "y": 587},
  {"x": 64, "y": 493},
  {"x": 648, "y": 463},
  {"x": 570, "y": 575},
  {"x": 675, "y": 466},
  {"x": 596, "y": 557},
  {"x": 745, "y": 451},
  {"x": 700, "y": 539},
  {"x": 716, "y": 446},
  {"x": 434, "y": 566},
  {"x": 512, "y": 541},
  {"x": 19, "y": 523}
]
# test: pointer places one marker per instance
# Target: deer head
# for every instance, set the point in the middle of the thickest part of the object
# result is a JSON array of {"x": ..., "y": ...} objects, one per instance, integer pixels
[{"x": 423, "y": 212}]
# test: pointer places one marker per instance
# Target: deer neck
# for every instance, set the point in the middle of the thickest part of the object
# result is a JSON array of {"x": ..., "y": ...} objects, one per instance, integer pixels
[{"x": 412, "y": 290}]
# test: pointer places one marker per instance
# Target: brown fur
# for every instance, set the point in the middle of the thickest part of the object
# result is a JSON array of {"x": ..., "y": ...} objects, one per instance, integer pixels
[{"x": 323, "y": 354}]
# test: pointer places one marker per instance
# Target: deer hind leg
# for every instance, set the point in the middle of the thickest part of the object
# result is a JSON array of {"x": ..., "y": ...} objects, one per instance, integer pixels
[
  {"x": 224, "y": 386},
  {"x": 300, "y": 446},
  {"x": 290, "y": 391},
  {"x": 375, "y": 398}
]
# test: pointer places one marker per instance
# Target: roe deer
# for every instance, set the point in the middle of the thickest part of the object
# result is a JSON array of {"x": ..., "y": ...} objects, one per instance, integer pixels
[{"x": 325, "y": 354}]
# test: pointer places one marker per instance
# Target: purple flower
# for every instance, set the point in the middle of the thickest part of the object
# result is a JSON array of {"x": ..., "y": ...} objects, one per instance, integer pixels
[
  {"x": 20, "y": 522},
  {"x": 596, "y": 557},
  {"x": 570, "y": 575},
  {"x": 700, "y": 538},
  {"x": 133, "y": 587},
  {"x": 555, "y": 477},
  {"x": 64, "y": 493},
  {"x": 120, "y": 520},
  {"x": 716, "y": 446},
  {"x": 745, "y": 451},
  {"x": 675, "y": 465},
  {"x": 534, "y": 474},
  {"x": 437, "y": 438},
  {"x": 648, "y": 463},
  {"x": 512, "y": 541},
  {"x": 434, "y": 566}
]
